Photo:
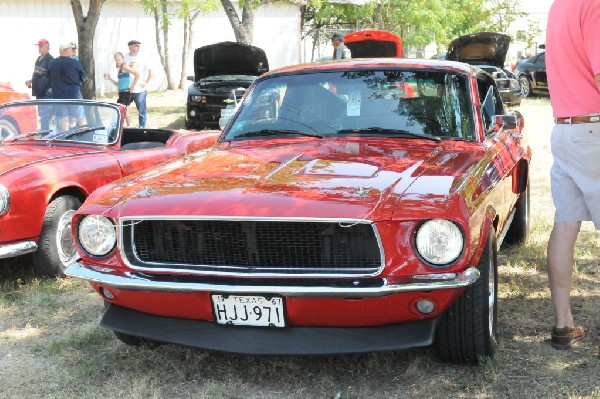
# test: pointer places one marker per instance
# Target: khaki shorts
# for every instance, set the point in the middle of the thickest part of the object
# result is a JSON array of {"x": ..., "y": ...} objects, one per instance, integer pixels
[{"x": 575, "y": 174}]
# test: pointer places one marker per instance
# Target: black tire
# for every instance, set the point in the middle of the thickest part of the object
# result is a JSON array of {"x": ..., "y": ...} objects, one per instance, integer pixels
[
  {"x": 56, "y": 249},
  {"x": 132, "y": 340},
  {"x": 8, "y": 130},
  {"x": 467, "y": 330},
  {"x": 519, "y": 227},
  {"x": 525, "y": 83}
]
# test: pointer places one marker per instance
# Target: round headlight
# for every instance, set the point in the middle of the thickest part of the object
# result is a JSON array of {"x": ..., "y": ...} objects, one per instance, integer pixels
[
  {"x": 97, "y": 235},
  {"x": 439, "y": 242},
  {"x": 4, "y": 200}
]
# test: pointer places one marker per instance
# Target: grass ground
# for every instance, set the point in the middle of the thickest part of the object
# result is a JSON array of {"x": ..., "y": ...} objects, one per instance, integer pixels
[{"x": 51, "y": 345}]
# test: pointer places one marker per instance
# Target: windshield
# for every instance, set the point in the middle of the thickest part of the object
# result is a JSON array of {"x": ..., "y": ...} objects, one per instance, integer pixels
[
  {"x": 363, "y": 102},
  {"x": 70, "y": 121}
]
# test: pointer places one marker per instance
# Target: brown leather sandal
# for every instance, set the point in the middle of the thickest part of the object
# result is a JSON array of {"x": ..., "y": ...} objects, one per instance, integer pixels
[{"x": 563, "y": 338}]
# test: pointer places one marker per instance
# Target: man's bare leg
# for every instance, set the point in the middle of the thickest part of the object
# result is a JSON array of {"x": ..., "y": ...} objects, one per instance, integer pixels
[{"x": 561, "y": 254}]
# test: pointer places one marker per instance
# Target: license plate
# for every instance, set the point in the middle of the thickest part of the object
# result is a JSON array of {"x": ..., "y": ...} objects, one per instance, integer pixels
[
  {"x": 226, "y": 112},
  {"x": 243, "y": 310}
]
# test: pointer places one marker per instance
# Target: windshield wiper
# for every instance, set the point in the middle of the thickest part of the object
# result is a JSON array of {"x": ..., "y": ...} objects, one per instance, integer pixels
[
  {"x": 275, "y": 132},
  {"x": 28, "y": 134},
  {"x": 386, "y": 131},
  {"x": 75, "y": 132}
]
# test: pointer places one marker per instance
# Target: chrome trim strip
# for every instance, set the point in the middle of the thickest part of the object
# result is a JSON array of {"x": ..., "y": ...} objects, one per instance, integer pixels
[
  {"x": 21, "y": 248},
  {"x": 190, "y": 271},
  {"x": 6, "y": 194},
  {"x": 131, "y": 282}
]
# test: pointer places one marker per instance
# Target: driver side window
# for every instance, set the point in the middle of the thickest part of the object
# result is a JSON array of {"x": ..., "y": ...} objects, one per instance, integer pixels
[{"x": 491, "y": 103}]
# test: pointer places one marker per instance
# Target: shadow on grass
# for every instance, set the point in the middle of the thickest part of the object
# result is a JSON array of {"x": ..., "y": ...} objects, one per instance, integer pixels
[{"x": 15, "y": 272}]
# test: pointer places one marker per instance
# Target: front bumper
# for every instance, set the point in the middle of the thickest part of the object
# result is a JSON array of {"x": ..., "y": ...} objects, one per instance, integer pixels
[
  {"x": 203, "y": 115},
  {"x": 138, "y": 282},
  {"x": 17, "y": 249},
  {"x": 270, "y": 341}
]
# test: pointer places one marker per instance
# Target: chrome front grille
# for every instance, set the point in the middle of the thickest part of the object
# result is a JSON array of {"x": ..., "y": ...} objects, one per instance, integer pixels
[{"x": 253, "y": 247}]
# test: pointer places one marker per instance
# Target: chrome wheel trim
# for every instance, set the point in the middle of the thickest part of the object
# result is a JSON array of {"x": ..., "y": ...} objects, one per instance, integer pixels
[
  {"x": 525, "y": 86},
  {"x": 64, "y": 242}
]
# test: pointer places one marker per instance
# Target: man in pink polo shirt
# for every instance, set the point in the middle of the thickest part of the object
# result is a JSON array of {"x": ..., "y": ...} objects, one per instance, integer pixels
[{"x": 573, "y": 69}]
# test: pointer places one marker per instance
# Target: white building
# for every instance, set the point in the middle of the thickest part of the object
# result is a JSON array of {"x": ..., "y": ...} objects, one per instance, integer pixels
[{"x": 24, "y": 22}]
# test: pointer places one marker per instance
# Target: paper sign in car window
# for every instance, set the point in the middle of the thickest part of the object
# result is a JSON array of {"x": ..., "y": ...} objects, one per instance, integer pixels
[
  {"x": 353, "y": 104},
  {"x": 100, "y": 137}
]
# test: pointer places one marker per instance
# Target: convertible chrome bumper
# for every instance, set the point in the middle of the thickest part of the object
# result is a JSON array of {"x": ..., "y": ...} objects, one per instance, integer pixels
[
  {"x": 17, "y": 249},
  {"x": 136, "y": 282}
]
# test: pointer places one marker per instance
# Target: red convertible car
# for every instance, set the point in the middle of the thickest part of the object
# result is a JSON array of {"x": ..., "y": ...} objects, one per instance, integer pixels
[
  {"x": 46, "y": 174},
  {"x": 336, "y": 214}
]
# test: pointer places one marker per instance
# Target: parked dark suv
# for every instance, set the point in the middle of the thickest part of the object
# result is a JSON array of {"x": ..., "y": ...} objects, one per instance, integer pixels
[{"x": 532, "y": 75}]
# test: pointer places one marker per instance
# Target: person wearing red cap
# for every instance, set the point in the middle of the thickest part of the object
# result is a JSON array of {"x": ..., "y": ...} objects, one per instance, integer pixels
[{"x": 40, "y": 81}]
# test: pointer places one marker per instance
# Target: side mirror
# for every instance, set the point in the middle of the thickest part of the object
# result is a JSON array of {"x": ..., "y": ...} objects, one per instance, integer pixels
[
  {"x": 191, "y": 78},
  {"x": 520, "y": 119}
]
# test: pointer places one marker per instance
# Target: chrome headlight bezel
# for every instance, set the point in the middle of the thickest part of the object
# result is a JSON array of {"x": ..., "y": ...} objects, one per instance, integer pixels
[
  {"x": 97, "y": 235},
  {"x": 4, "y": 200},
  {"x": 439, "y": 242}
]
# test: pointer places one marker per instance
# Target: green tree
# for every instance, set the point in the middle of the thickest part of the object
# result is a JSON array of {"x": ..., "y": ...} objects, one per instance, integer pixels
[
  {"x": 417, "y": 22},
  {"x": 502, "y": 14},
  {"x": 189, "y": 11},
  {"x": 164, "y": 12},
  {"x": 243, "y": 28},
  {"x": 530, "y": 34},
  {"x": 320, "y": 18}
]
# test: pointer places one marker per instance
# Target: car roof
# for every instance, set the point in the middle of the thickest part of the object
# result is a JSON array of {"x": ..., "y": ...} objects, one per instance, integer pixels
[{"x": 376, "y": 63}]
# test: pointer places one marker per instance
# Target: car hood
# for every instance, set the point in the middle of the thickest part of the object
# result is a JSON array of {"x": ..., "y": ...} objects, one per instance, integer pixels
[
  {"x": 229, "y": 58},
  {"x": 480, "y": 48},
  {"x": 328, "y": 179},
  {"x": 22, "y": 155},
  {"x": 373, "y": 44}
]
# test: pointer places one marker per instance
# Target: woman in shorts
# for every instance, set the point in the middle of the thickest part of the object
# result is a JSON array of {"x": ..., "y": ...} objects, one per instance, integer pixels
[{"x": 127, "y": 77}]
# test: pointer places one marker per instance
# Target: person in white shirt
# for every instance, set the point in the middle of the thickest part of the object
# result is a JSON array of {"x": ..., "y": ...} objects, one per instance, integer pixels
[{"x": 139, "y": 92}]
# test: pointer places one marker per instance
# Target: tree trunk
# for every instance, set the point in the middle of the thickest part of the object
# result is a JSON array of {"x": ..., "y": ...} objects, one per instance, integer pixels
[
  {"x": 188, "y": 23},
  {"x": 165, "y": 31},
  {"x": 86, "y": 29},
  {"x": 186, "y": 44},
  {"x": 162, "y": 44},
  {"x": 244, "y": 28}
]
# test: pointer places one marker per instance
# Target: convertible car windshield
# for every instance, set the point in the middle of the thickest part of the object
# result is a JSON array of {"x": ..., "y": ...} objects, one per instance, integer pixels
[
  {"x": 53, "y": 120},
  {"x": 398, "y": 103}
]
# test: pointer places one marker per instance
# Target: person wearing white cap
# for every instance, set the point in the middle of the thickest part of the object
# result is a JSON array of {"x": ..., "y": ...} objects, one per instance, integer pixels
[{"x": 66, "y": 77}]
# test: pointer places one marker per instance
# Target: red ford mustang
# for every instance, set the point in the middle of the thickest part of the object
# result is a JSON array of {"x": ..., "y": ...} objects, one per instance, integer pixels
[
  {"x": 47, "y": 173},
  {"x": 339, "y": 212}
]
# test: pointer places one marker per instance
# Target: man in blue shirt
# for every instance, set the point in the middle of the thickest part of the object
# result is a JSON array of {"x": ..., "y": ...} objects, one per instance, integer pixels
[
  {"x": 40, "y": 82},
  {"x": 66, "y": 77}
]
